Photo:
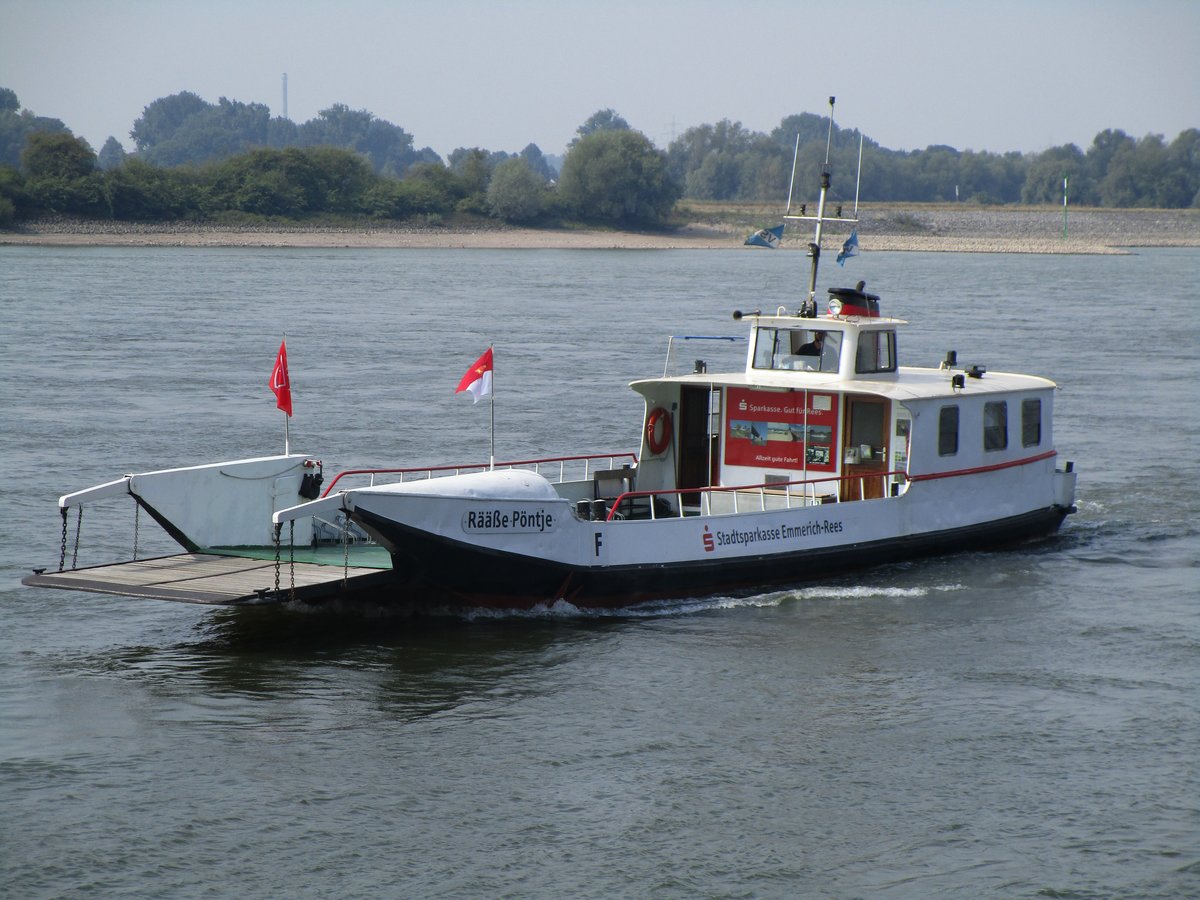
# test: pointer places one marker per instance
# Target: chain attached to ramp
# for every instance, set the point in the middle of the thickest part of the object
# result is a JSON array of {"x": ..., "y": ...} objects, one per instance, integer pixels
[
  {"x": 292, "y": 560},
  {"x": 78, "y": 529},
  {"x": 278, "y": 529},
  {"x": 62, "y": 555},
  {"x": 345, "y": 550}
]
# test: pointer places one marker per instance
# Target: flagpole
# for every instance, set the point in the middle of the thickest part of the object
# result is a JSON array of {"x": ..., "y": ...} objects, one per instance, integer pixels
[
  {"x": 287, "y": 436},
  {"x": 492, "y": 410}
]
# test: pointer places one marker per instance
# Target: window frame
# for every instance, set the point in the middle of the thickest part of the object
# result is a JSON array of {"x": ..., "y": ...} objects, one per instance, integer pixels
[
  {"x": 1031, "y": 422},
  {"x": 882, "y": 339},
  {"x": 945, "y": 414},
  {"x": 773, "y": 341},
  {"x": 995, "y": 433}
]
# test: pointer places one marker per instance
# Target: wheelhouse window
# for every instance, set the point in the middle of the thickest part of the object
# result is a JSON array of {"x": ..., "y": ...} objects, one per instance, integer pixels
[
  {"x": 948, "y": 431},
  {"x": 995, "y": 425},
  {"x": 797, "y": 349},
  {"x": 876, "y": 352},
  {"x": 1031, "y": 422}
]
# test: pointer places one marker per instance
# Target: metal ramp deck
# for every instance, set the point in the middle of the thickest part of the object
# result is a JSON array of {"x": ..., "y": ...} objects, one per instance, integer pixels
[{"x": 212, "y": 579}]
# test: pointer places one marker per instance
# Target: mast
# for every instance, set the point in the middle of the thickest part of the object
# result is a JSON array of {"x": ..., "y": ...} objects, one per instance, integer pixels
[{"x": 814, "y": 248}]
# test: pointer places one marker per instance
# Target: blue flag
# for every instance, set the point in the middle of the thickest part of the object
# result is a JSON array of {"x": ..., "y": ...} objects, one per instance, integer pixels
[
  {"x": 849, "y": 249},
  {"x": 768, "y": 237}
]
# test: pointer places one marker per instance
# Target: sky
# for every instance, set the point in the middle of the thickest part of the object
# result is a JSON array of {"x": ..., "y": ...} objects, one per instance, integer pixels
[{"x": 994, "y": 75}]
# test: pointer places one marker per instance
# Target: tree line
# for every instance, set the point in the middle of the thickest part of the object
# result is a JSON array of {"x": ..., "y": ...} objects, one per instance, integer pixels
[
  {"x": 199, "y": 160},
  {"x": 726, "y": 162}
]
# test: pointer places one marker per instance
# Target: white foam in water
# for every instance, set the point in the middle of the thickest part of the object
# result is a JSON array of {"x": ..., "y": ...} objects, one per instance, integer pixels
[{"x": 562, "y": 609}]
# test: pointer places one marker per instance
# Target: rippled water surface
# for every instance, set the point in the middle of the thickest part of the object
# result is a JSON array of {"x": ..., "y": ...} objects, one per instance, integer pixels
[{"x": 1022, "y": 723}]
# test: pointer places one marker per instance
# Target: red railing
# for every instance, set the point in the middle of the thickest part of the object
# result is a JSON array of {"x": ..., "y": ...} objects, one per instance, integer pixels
[
  {"x": 763, "y": 491},
  {"x": 431, "y": 471}
]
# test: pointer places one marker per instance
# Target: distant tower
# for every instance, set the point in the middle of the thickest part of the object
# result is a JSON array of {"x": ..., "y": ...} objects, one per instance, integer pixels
[{"x": 285, "y": 95}]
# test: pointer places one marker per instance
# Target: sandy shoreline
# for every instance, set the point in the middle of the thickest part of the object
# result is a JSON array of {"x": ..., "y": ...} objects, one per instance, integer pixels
[{"x": 934, "y": 229}]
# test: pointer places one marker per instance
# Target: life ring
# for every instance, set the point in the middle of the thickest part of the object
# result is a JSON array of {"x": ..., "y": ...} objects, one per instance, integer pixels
[{"x": 658, "y": 444}]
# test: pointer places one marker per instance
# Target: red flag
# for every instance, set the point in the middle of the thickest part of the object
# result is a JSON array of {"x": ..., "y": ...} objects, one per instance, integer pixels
[
  {"x": 478, "y": 380},
  {"x": 280, "y": 383}
]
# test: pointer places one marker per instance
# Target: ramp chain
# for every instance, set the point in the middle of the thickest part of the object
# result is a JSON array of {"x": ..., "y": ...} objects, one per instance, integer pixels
[
  {"x": 292, "y": 560},
  {"x": 278, "y": 528},
  {"x": 137, "y": 517},
  {"x": 62, "y": 554},
  {"x": 78, "y": 529},
  {"x": 345, "y": 550}
]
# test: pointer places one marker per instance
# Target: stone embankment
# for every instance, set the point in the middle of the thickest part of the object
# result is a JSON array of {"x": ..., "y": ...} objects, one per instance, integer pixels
[{"x": 924, "y": 228}]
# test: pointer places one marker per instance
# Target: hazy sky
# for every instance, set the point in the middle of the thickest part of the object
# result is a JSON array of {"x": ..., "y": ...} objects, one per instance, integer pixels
[{"x": 992, "y": 75}]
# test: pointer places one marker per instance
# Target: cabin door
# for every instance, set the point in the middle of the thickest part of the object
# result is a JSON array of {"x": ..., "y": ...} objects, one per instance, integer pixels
[
  {"x": 864, "y": 448},
  {"x": 699, "y": 427}
]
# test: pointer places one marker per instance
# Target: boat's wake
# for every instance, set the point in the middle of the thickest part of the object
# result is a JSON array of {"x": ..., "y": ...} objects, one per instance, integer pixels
[{"x": 562, "y": 609}]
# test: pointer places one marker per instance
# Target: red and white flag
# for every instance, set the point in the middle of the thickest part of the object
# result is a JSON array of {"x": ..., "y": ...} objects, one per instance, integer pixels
[
  {"x": 280, "y": 383},
  {"x": 478, "y": 380}
]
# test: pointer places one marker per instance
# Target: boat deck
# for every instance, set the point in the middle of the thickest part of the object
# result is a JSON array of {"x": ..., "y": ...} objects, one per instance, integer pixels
[{"x": 212, "y": 580}]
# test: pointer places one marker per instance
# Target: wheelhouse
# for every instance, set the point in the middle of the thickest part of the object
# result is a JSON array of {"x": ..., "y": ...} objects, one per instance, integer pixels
[{"x": 823, "y": 412}]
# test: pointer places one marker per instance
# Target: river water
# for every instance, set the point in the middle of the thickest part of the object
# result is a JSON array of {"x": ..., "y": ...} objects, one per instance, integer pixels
[{"x": 1016, "y": 724}]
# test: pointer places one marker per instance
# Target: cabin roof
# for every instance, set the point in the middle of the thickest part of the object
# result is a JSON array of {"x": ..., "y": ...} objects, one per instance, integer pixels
[
  {"x": 826, "y": 322},
  {"x": 908, "y": 383}
]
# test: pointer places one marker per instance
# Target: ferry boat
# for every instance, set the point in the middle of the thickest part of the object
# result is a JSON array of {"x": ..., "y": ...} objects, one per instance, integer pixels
[{"x": 822, "y": 454}]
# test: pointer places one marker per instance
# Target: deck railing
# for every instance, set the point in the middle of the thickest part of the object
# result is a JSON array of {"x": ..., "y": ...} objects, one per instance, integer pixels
[
  {"x": 588, "y": 463},
  {"x": 757, "y": 497}
]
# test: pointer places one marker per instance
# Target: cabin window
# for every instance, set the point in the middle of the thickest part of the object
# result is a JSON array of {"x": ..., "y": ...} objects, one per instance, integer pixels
[
  {"x": 797, "y": 349},
  {"x": 1031, "y": 422},
  {"x": 995, "y": 425},
  {"x": 876, "y": 352},
  {"x": 948, "y": 431}
]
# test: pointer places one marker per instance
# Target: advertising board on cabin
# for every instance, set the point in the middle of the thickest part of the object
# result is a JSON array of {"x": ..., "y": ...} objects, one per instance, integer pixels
[{"x": 788, "y": 430}]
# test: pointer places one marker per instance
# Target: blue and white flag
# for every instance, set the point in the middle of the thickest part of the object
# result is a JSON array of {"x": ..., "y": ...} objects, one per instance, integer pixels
[
  {"x": 768, "y": 237},
  {"x": 849, "y": 249}
]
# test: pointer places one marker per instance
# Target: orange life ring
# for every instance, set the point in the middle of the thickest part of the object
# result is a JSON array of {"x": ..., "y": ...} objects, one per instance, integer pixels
[{"x": 658, "y": 444}]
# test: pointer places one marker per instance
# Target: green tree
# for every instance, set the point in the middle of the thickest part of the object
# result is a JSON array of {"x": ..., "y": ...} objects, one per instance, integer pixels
[
  {"x": 1184, "y": 159},
  {"x": 1045, "y": 174},
  {"x": 216, "y": 132},
  {"x": 473, "y": 168},
  {"x": 16, "y": 125},
  {"x": 618, "y": 177},
  {"x": 516, "y": 193},
  {"x": 444, "y": 182},
  {"x": 537, "y": 162},
  {"x": 60, "y": 174},
  {"x": 161, "y": 119},
  {"x": 1105, "y": 146},
  {"x": 722, "y": 161},
  {"x": 601, "y": 120},
  {"x": 292, "y": 182},
  {"x": 141, "y": 191},
  {"x": 390, "y": 198},
  {"x": 765, "y": 173},
  {"x": 1120, "y": 186},
  {"x": 387, "y": 146},
  {"x": 282, "y": 133},
  {"x": 13, "y": 193},
  {"x": 57, "y": 156},
  {"x": 111, "y": 155}
]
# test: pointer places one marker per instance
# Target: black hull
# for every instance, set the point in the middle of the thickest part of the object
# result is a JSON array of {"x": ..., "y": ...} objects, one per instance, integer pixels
[{"x": 445, "y": 572}]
